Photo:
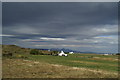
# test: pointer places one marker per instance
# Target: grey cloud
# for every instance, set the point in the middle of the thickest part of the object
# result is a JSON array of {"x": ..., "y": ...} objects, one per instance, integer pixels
[
  {"x": 80, "y": 13},
  {"x": 70, "y": 21}
]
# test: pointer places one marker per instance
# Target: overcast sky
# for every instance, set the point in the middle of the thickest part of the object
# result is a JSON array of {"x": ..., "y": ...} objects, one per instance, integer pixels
[{"x": 73, "y": 25}]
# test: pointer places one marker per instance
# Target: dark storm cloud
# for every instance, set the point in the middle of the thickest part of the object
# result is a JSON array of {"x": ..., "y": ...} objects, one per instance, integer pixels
[
  {"x": 72, "y": 13},
  {"x": 58, "y": 17},
  {"x": 72, "y": 25}
]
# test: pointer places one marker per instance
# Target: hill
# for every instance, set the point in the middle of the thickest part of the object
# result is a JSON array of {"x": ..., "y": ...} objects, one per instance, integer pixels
[{"x": 14, "y": 49}]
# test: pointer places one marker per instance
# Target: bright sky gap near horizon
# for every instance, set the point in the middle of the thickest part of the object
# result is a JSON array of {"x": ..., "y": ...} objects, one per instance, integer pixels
[{"x": 81, "y": 26}]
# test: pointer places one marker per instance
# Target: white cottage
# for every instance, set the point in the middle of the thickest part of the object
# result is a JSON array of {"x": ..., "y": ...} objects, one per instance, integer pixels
[
  {"x": 105, "y": 54},
  {"x": 71, "y": 53},
  {"x": 62, "y": 54}
]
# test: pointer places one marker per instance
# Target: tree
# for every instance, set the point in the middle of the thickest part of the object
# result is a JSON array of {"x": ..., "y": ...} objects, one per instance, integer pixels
[
  {"x": 118, "y": 54},
  {"x": 54, "y": 53},
  {"x": 40, "y": 53},
  {"x": 34, "y": 52}
]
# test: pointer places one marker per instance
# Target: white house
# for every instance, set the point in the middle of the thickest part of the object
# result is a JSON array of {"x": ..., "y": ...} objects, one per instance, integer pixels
[
  {"x": 105, "y": 54},
  {"x": 62, "y": 54},
  {"x": 71, "y": 53},
  {"x": 49, "y": 50}
]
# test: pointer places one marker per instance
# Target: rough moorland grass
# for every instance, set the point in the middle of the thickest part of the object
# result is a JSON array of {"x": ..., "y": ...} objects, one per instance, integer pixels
[
  {"x": 21, "y": 68},
  {"x": 85, "y": 62}
]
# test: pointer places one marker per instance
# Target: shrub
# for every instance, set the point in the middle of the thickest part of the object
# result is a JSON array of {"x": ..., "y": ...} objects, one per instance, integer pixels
[
  {"x": 54, "y": 52},
  {"x": 8, "y": 55},
  {"x": 34, "y": 52},
  {"x": 118, "y": 54},
  {"x": 40, "y": 53}
]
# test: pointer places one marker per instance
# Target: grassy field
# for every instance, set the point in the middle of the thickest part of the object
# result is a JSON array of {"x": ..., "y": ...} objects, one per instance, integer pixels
[
  {"x": 94, "y": 61},
  {"x": 22, "y": 64},
  {"x": 73, "y": 66}
]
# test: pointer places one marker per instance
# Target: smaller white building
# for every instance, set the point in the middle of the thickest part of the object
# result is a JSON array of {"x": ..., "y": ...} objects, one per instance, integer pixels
[
  {"x": 62, "y": 54},
  {"x": 71, "y": 53},
  {"x": 49, "y": 50},
  {"x": 105, "y": 54}
]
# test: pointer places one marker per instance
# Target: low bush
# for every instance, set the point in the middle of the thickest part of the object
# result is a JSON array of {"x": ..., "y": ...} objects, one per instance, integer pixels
[{"x": 34, "y": 52}]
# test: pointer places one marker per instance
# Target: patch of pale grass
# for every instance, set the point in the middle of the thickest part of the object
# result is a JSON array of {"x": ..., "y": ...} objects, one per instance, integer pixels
[
  {"x": 108, "y": 59},
  {"x": 94, "y": 63},
  {"x": 14, "y": 68}
]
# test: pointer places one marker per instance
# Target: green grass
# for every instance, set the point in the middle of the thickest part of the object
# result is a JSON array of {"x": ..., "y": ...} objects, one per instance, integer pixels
[
  {"x": 16, "y": 65},
  {"x": 84, "y": 62}
]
